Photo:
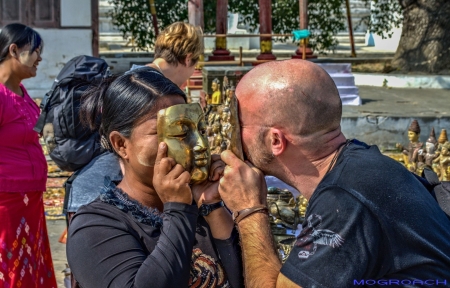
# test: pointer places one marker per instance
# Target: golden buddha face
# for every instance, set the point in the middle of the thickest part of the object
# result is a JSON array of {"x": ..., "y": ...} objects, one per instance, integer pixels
[
  {"x": 183, "y": 128},
  {"x": 214, "y": 86},
  {"x": 413, "y": 136}
]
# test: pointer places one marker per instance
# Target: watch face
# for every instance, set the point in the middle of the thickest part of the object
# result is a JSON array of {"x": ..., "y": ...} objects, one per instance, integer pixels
[{"x": 205, "y": 210}]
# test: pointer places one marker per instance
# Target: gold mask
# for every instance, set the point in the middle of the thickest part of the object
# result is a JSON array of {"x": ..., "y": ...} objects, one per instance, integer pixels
[{"x": 183, "y": 128}]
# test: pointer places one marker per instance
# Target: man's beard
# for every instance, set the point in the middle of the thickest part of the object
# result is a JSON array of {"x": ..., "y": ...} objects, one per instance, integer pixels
[{"x": 259, "y": 157}]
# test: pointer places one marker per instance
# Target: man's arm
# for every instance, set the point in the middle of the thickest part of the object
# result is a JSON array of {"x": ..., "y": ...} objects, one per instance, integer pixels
[
  {"x": 241, "y": 187},
  {"x": 261, "y": 263}
]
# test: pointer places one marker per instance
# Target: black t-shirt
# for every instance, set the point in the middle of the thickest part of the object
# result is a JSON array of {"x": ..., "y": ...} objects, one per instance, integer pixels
[
  {"x": 116, "y": 242},
  {"x": 371, "y": 222}
]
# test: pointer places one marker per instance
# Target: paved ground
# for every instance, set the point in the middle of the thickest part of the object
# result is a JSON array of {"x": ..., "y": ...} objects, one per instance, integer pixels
[
  {"x": 401, "y": 102},
  {"x": 55, "y": 228}
]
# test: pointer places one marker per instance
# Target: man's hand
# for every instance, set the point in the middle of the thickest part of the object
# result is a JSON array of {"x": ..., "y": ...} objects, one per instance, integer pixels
[
  {"x": 242, "y": 185},
  {"x": 171, "y": 180},
  {"x": 208, "y": 191}
]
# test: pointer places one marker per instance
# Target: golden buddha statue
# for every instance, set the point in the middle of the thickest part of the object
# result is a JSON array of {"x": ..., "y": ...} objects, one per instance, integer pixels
[
  {"x": 444, "y": 161},
  {"x": 216, "y": 97},
  {"x": 411, "y": 152},
  {"x": 183, "y": 128},
  {"x": 229, "y": 94}
]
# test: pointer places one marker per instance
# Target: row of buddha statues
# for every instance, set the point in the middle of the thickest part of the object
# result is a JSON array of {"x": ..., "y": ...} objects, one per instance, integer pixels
[
  {"x": 435, "y": 154},
  {"x": 218, "y": 115}
]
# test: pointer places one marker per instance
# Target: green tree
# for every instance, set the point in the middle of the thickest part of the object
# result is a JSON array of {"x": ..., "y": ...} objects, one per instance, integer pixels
[
  {"x": 133, "y": 18},
  {"x": 425, "y": 42},
  {"x": 423, "y": 46}
]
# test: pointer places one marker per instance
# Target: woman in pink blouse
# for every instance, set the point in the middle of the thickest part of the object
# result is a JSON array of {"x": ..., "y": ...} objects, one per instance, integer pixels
[{"x": 25, "y": 259}]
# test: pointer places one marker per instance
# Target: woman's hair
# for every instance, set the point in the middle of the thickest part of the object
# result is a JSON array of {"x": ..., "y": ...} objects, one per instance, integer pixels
[
  {"x": 176, "y": 41},
  {"x": 119, "y": 103},
  {"x": 21, "y": 35}
]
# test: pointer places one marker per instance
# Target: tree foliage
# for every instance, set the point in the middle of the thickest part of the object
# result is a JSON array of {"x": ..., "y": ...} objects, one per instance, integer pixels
[
  {"x": 384, "y": 16},
  {"x": 133, "y": 18},
  {"x": 326, "y": 18}
]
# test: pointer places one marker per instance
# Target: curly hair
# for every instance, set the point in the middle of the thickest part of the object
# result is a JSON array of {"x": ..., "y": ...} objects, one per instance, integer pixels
[{"x": 178, "y": 40}]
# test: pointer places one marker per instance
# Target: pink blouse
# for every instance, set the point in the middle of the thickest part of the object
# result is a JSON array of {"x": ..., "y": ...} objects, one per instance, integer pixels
[{"x": 23, "y": 167}]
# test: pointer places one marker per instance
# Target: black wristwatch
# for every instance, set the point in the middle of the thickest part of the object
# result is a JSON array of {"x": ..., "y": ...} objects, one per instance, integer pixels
[{"x": 205, "y": 209}]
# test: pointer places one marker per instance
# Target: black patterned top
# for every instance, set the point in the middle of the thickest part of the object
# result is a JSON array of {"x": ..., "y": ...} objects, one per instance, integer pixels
[{"x": 116, "y": 242}]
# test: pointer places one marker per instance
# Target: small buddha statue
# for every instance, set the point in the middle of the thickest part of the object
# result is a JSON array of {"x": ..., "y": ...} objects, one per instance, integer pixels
[
  {"x": 225, "y": 122},
  {"x": 217, "y": 147},
  {"x": 412, "y": 151},
  {"x": 216, "y": 97},
  {"x": 210, "y": 135},
  {"x": 303, "y": 203},
  {"x": 225, "y": 85},
  {"x": 444, "y": 160},
  {"x": 442, "y": 139},
  {"x": 229, "y": 94},
  {"x": 428, "y": 153}
]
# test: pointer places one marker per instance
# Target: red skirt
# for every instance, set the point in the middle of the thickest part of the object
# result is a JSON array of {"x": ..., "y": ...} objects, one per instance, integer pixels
[{"x": 25, "y": 257}]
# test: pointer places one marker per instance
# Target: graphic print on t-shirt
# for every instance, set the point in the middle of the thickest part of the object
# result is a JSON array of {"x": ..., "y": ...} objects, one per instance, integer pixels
[{"x": 311, "y": 236}]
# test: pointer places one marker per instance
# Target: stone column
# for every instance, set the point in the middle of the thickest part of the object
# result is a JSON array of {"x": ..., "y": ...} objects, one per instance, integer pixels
[
  {"x": 303, "y": 9},
  {"x": 194, "y": 83},
  {"x": 265, "y": 27},
  {"x": 195, "y": 10},
  {"x": 220, "y": 52}
]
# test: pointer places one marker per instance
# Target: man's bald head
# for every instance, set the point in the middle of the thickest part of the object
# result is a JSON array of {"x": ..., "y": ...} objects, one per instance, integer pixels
[{"x": 294, "y": 95}]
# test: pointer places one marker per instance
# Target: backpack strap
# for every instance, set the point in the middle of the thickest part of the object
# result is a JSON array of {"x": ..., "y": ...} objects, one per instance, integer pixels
[
  {"x": 44, "y": 111},
  {"x": 431, "y": 176},
  {"x": 441, "y": 189}
]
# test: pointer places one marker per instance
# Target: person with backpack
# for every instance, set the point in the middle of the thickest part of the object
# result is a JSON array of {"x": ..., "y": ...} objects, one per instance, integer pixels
[
  {"x": 152, "y": 229},
  {"x": 25, "y": 255}
]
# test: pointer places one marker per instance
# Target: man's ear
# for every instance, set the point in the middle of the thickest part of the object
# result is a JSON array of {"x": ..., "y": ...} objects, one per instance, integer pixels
[
  {"x": 119, "y": 144},
  {"x": 278, "y": 141}
]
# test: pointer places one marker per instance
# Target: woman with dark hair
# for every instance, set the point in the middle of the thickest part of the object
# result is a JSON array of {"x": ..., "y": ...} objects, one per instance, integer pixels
[
  {"x": 145, "y": 231},
  {"x": 177, "y": 51},
  {"x": 25, "y": 259}
]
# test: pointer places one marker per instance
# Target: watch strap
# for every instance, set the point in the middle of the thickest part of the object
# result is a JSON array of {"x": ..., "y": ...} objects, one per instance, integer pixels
[
  {"x": 211, "y": 207},
  {"x": 239, "y": 215}
]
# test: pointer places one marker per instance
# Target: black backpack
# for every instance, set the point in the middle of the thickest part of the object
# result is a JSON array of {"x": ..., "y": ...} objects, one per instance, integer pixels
[
  {"x": 75, "y": 145},
  {"x": 439, "y": 190}
]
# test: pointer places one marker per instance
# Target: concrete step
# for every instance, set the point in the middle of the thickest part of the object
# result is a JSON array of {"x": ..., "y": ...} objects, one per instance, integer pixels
[
  {"x": 353, "y": 100},
  {"x": 337, "y": 68},
  {"x": 343, "y": 79},
  {"x": 348, "y": 90}
]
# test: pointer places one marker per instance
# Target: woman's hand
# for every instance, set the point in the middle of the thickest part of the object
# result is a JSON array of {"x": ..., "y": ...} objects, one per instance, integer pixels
[
  {"x": 171, "y": 180},
  {"x": 207, "y": 192}
]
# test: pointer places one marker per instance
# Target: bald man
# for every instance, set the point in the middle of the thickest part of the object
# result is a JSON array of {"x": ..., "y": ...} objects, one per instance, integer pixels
[{"x": 368, "y": 220}]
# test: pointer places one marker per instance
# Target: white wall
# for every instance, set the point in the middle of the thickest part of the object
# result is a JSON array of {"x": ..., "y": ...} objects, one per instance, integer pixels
[
  {"x": 76, "y": 13},
  {"x": 60, "y": 45}
]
